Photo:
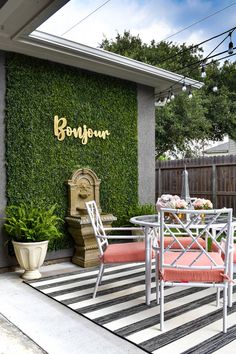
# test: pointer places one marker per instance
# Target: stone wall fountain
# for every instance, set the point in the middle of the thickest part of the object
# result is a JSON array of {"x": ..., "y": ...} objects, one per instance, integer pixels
[{"x": 83, "y": 186}]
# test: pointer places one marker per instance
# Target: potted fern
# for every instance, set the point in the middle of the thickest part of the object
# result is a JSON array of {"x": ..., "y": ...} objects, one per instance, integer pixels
[{"x": 30, "y": 228}]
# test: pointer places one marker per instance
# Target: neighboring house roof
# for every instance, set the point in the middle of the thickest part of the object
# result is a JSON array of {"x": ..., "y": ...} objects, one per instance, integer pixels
[
  {"x": 221, "y": 148},
  {"x": 20, "y": 18}
]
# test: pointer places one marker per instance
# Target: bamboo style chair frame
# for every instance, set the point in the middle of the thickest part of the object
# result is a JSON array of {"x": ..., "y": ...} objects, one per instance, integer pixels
[
  {"x": 184, "y": 267},
  {"x": 102, "y": 238}
]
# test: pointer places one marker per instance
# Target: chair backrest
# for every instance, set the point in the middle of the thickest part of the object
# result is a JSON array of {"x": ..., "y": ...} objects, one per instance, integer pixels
[
  {"x": 97, "y": 225},
  {"x": 209, "y": 224}
]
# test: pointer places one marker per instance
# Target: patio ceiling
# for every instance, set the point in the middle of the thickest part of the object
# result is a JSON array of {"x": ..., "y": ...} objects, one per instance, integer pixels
[{"x": 19, "y": 19}]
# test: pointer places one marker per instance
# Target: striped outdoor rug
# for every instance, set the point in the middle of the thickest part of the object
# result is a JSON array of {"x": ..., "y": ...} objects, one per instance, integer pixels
[{"x": 193, "y": 324}]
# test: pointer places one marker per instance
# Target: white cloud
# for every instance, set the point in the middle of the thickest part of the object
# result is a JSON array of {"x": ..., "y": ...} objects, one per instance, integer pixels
[
  {"x": 151, "y": 19},
  {"x": 156, "y": 31}
]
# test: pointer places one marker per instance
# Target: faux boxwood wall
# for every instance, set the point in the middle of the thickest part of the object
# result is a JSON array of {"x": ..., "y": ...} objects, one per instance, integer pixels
[{"x": 38, "y": 164}]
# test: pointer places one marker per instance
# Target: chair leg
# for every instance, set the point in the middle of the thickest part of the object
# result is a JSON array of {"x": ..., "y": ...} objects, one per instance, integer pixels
[
  {"x": 230, "y": 295},
  {"x": 157, "y": 290},
  {"x": 157, "y": 279},
  {"x": 230, "y": 286},
  {"x": 99, "y": 279},
  {"x": 225, "y": 301},
  {"x": 162, "y": 305},
  {"x": 101, "y": 275},
  {"x": 218, "y": 297}
]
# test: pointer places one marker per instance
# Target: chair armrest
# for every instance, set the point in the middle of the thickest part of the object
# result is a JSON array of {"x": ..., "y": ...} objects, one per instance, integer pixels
[
  {"x": 126, "y": 237},
  {"x": 122, "y": 228},
  {"x": 122, "y": 237}
]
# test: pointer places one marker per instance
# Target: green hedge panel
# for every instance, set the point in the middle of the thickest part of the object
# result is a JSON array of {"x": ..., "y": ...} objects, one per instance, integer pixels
[{"x": 38, "y": 164}]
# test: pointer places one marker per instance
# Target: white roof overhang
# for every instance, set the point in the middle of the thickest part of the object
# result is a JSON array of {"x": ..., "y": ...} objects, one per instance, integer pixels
[{"x": 18, "y": 20}]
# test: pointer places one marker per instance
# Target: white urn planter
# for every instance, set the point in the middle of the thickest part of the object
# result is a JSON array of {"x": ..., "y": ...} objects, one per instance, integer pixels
[{"x": 30, "y": 256}]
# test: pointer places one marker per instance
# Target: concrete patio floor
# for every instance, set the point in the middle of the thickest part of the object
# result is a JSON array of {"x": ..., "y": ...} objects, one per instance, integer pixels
[{"x": 32, "y": 323}]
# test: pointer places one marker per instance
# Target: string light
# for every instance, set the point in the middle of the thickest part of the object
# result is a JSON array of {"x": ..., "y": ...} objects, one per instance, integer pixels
[
  {"x": 203, "y": 63},
  {"x": 168, "y": 97},
  {"x": 231, "y": 45},
  {"x": 215, "y": 88},
  {"x": 197, "y": 45},
  {"x": 190, "y": 95},
  {"x": 203, "y": 71}
]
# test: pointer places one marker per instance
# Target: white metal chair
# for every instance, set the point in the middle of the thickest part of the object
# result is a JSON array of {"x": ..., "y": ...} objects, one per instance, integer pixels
[
  {"x": 114, "y": 253},
  {"x": 186, "y": 266},
  {"x": 232, "y": 264},
  {"x": 234, "y": 251}
]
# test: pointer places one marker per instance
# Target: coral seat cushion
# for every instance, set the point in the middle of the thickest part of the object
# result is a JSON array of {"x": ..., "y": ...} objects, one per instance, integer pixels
[
  {"x": 193, "y": 275},
  {"x": 124, "y": 252},
  {"x": 185, "y": 241},
  {"x": 234, "y": 252}
]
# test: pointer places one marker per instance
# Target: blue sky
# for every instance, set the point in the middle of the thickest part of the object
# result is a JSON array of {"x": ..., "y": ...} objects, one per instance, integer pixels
[{"x": 151, "y": 19}]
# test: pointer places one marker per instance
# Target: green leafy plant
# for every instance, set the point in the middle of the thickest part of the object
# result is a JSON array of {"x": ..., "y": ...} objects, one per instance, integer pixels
[
  {"x": 30, "y": 223},
  {"x": 141, "y": 209},
  {"x": 136, "y": 210}
]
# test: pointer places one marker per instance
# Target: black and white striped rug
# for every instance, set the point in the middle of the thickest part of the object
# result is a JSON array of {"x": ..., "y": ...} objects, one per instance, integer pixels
[{"x": 193, "y": 323}]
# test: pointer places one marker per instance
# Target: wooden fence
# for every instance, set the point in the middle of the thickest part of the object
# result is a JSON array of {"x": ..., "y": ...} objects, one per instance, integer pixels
[{"x": 212, "y": 178}]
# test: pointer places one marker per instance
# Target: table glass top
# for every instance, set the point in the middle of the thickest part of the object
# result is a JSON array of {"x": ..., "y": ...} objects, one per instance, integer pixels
[
  {"x": 147, "y": 218},
  {"x": 155, "y": 220}
]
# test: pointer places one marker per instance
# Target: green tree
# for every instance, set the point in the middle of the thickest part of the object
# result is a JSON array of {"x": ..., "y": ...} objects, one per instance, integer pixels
[
  {"x": 208, "y": 115},
  {"x": 221, "y": 105},
  {"x": 179, "y": 123},
  {"x": 164, "y": 54}
]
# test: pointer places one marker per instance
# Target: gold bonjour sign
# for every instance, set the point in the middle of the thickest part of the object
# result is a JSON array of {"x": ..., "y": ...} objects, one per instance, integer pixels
[{"x": 61, "y": 130}]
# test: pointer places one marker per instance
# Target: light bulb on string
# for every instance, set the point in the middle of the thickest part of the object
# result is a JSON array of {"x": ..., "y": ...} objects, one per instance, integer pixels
[
  {"x": 203, "y": 71},
  {"x": 172, "y": 96},
  {"x": 168, "y": 98},
  {"x": 231, "y": 45},
  {"x": 184, "y": 87},
  {"x": 190, "y": 95},
  {"x": 159, "y": 101},
  {"x": 215, "y": 88}
]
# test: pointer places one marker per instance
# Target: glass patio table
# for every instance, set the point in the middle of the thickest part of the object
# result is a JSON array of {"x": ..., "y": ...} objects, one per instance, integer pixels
[{"x": 152, "y": 222}]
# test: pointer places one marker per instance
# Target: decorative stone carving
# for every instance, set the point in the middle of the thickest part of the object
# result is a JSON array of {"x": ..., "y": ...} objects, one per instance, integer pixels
[{"x": 83, "y": 186}]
